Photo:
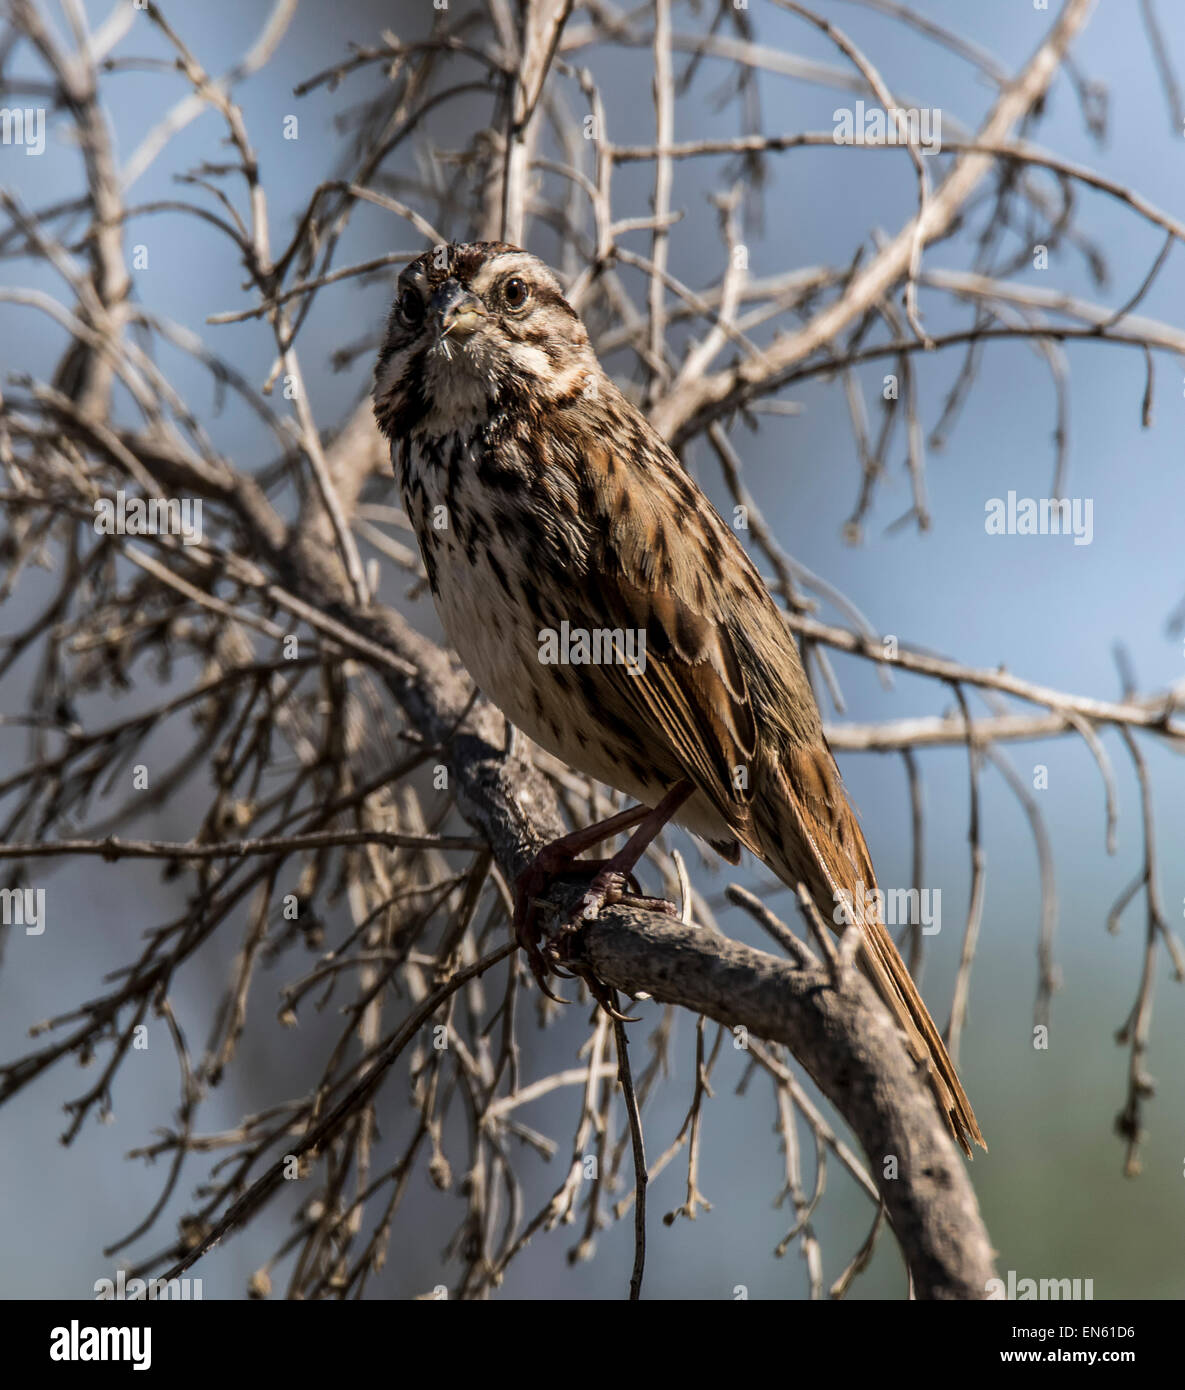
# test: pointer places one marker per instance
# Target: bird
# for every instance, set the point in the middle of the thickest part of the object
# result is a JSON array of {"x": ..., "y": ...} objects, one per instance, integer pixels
[{"x": 596, "y": 596}]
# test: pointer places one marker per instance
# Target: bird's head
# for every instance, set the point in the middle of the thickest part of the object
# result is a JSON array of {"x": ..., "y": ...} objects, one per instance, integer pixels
[{"x": 475, "y": 328}]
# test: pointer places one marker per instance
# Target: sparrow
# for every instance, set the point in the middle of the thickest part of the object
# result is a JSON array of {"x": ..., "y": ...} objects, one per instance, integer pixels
[{"x": 599, "y": 600}]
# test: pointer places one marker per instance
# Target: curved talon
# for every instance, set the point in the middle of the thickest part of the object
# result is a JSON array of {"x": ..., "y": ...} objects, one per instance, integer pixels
[
  {"x": 603, "y": 994},
  {"x": 606, "y": 1003},
  {"x": 540, "y": 970},
  {"x": 541, "y": 981}
]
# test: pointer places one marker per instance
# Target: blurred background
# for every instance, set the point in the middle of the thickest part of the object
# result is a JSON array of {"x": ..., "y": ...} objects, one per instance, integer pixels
[{"x": 1053, "y": 1190}]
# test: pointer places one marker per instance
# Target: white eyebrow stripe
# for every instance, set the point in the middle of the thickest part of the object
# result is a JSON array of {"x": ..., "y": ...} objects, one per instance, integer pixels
[{"x": 506, "y": 263}]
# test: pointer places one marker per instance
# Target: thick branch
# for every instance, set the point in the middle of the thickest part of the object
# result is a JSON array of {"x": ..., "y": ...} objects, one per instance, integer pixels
[{"x": 847, "y": 1042}]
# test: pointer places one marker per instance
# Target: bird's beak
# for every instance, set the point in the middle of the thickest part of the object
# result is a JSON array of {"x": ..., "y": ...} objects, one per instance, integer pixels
[{"x": 458, "y": 312}]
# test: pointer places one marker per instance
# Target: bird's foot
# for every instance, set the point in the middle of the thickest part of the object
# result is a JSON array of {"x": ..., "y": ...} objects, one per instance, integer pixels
[
  {"x": 609, "y": 886},
  {"x": 610, "y": 880},
  {"x": 530, "y": 889}
]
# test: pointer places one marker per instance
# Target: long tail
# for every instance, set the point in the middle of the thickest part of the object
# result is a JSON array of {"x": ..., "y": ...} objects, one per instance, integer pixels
[{"x": 810, "y": 834}]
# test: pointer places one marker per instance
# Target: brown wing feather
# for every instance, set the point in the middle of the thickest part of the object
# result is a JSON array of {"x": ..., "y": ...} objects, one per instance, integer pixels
[
  {"x": 692, "y": 695},
  {"x": 685, "y": 695}
]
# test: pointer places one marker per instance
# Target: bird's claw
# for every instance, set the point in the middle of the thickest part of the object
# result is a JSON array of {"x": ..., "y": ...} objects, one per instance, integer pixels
[{"x": 607, "y": 889}]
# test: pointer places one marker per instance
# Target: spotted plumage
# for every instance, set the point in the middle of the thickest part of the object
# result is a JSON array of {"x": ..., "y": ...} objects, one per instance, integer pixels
[{"x": 541, "y": 497}]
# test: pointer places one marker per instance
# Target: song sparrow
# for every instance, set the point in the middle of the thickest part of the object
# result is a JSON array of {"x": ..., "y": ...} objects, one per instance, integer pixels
[{"x": 545, "y": 505}]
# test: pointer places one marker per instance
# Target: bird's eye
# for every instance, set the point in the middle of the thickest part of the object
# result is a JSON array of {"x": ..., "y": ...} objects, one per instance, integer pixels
[
  {"x": 515, "y": 292},
  {"x": 411, "y": 306}
]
